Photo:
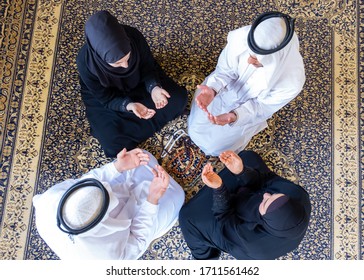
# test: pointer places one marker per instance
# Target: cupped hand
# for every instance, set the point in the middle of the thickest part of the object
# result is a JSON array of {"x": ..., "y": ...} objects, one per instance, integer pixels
[
  {"x": 222, "y": 119},
  {"x": 158, "y": 185},
  {"x": 140, "y": 110},
  {"x": 126, "y": 160},
  {"x": 210, "y": 178},
  {"x": 232, "y": 161},
  {"x": 205, "y": 97},
  {"x": 160, "y": 97}
]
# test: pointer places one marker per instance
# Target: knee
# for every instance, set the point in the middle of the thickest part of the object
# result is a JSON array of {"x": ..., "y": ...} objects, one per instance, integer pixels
[
  {"x": 180, "y": 101},
  {"x": 183, "y": 217},
  {"x": 112, "y": 147},
  {"x": 179, "y": 93},
  {"x": 182, "y": 213},
  {"x": 110, "y": 152},
  {"x": 249, "y": 153}
]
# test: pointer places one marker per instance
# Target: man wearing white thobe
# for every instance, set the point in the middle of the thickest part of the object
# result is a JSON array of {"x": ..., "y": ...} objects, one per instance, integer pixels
[
  {"x": 245, "y": 89},
  {"x": 144, "y": 205}
]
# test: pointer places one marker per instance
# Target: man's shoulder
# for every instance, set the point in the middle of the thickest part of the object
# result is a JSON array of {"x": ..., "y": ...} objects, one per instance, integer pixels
[
  {"x": 238, "y": 36},
  {"x": 239, "y": 32}
]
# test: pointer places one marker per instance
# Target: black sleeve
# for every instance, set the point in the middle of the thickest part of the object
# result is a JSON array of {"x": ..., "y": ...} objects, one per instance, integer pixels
[
  {"x": 253, "y": 178},
  {"x": 109, "y": 97},
  {"x": 148, "y": 65},
  {"x": 221, "y": 204}
]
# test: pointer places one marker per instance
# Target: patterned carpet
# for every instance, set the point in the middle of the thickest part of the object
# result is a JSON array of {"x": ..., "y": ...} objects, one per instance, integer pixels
[{"x": 317, "y": 140}]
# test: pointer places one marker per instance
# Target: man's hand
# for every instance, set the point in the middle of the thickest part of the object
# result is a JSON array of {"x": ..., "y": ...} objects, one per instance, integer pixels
[
  {"x": 232, "y": 161},
  {"x": 129, "y": 160},
  {"x": 222, "y": 119},
  {"x": 140, "y": 110},
  {"x": 160, "y": 97},
  {"x": 205, "y": 97},
  {"x": 210, "y": 178},
  {"x": 159, "y": 184}
]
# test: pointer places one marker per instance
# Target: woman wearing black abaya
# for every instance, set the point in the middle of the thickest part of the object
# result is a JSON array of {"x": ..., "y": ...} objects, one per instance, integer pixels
[
  {"x": 127, "y": 95},
  {"x": 246, "y": 211}
]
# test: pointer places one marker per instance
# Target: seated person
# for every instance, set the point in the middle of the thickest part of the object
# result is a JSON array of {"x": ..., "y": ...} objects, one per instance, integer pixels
[
  {"x": 113, "y": 212},
  {"x": 259, "y": 71},
  {"x": 127, "y": 95},
  {"x": 246, "y": 211}
]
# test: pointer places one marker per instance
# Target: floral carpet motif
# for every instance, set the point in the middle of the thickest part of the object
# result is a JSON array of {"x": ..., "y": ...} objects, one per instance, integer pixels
[{"x": 316, "y": 140}]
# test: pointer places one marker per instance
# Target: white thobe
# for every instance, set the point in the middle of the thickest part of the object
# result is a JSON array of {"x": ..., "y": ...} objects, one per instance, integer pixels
[
  {"x": 130, "y": 224},
  {"x": 254, "y": 94}
]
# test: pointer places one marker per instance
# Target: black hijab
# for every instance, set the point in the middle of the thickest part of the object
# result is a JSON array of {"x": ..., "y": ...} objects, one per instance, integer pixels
[
  {"x": 108, "y": 42},
  {"x": 268, "y": 236},
  {"x": 287, "y": 220},
  {"x": 285, "y": 217}
]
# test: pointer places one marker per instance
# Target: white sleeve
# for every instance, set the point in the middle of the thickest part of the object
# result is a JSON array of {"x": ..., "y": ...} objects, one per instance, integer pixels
[
  {"x": 141, "y": 230},
  {"x": 104, "y": 174},
  {"x": 262, "y": 107},
  {"x": 225, "y": 71}
]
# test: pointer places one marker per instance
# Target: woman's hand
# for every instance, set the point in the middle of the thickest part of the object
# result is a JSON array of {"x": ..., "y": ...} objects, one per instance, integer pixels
[
  {"x": 160, "y": 97},
  {"x": 210, "y": 178},
  {"x": 232, "y": 161},
  {"x": 140, "y": 110}
]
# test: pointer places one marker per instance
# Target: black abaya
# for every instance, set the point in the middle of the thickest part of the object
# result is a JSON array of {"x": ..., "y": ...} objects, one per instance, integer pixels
[
  {"x": 210, "y": 225},
  {"x": 106, "y": 91}
]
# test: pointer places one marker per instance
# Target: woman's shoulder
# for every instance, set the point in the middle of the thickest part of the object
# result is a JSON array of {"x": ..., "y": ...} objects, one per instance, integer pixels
[
  {"x": 81, "y": 56},
  {"x": 81, "y": 62},
  {"x": 132, "y": 31},
  {"x": 137, "y": 37}
]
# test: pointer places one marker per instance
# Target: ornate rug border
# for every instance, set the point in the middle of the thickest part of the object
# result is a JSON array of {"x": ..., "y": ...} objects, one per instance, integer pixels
[
  {"x": 32, "y": 97},
  {"x": 26, "y": 151},
  {"x": 346, "y": 191}
]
